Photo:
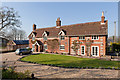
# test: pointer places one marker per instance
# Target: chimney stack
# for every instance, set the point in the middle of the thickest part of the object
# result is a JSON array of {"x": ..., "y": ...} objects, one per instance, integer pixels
[
  {"x": 58, "y": 22},
  {"x": 102, "y": 18},
  {"x": 34, "y": 27}
]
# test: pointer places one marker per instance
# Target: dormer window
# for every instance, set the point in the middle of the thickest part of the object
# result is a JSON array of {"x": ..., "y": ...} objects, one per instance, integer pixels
[
  {"x": 45, "y": 33},
  {"x": 45, "y": 36},
  {"x": 33, "y": 37},
  {"x": 62, "y": 33},
  {"x": 81, "y": 37},
  {"x": 95, "y": 37}
]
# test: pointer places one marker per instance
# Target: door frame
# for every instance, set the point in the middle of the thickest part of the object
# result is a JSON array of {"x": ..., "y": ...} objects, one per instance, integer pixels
[
  {"x": 81, "y": 50},
  {"x": 92, "y": 51},
  {"x": 36, "y": 46}
]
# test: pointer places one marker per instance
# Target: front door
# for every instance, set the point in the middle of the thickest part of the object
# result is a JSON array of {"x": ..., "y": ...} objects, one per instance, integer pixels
[
  {"x": 95, "y": 51},
  {"x": 41, "y": 48},
  {"x": 36, "y": 48}
]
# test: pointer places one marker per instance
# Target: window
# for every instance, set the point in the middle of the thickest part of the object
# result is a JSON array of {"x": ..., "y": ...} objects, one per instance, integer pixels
[
  {"x": 33, "y": 38},
  {"x": 33, "y": 46},
  {"x": 45, "y": 38},
  {"x": 81, "y": 37},
  {"x": 62, "y": 37},
  {"x": 95, "y": 50},
  {"x": 45, "y": 46},
  {"x": 62, "y": 47},
  {"x": 82, "y": 50},
  {"x": 95, "y": 37}
]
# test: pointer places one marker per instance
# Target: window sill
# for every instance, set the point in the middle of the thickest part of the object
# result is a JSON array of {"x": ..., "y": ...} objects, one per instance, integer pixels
[
  {"x": 62, "y": 49},
  {"x": 81, "y": 39},
  {"x": 95, "y": 39}
]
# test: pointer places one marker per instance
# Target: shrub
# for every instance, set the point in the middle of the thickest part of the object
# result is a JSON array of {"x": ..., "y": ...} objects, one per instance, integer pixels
[
  {"x": 61, "y": 53},
  {"x": 57, "y": 53},
  {"x": 29, "y": 48},
  {"x": 46, "y": 52},
  {"x": 64, "y": 53},
  {"x": 11, "y": 74}
]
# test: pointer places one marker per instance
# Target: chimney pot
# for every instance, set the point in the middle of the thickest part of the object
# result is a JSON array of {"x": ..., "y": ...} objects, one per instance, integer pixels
[
  {"x": 34, "y": 27},
  {"x": 58, "y": 22},
  {"x": 102, "y": 18}
]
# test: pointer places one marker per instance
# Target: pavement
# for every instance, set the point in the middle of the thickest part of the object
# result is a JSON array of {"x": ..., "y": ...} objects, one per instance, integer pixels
[{"x": 44, "y": 71}]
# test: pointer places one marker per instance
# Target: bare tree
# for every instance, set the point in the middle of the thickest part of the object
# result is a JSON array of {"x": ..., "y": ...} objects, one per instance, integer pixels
[
  {"x": 15, "y": 34},
  {"x": 9, "y": 21},
  {"x": 76, "y": 46},
  {"x": 9, "y": 18},
  {"x": 21, "y": 35},
  {"x": 88, "y": 44}
]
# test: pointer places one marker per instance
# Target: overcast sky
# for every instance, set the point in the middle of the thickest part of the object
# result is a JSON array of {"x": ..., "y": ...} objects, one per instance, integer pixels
[{"x": 44, "y": 14}]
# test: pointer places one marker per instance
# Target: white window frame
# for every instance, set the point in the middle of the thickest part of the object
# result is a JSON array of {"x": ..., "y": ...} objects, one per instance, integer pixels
[
  {"x": 81, "y": 50},
  {"x": 61, "y": 37},
  {"x": 96, "y": 37},
  {"x": 44, "y": 38},
  {"x": 46, "y": 45},
  {"x": 82, "y": 37},
  {"x": 64, "y": 47},
  {"x": 44, "y": 34},
  {"x": 33, "y": 37},
  {"x": 92, "y": 51}
]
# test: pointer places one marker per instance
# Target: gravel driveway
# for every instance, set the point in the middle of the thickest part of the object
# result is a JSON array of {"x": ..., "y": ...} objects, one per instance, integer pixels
[{"x": 42, "y": 71}]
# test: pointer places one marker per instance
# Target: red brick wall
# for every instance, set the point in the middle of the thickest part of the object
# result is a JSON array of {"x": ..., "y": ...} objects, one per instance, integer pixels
[
  {"x": 30, "y": 44},
  {"x": 101, "y": 43},
  {"x": 61, "y": 42},
  {"x": 66, "y": 44}
]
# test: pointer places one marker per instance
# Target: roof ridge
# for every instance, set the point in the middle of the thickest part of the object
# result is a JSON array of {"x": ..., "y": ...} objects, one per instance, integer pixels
[{"x": 69, "y": 25}]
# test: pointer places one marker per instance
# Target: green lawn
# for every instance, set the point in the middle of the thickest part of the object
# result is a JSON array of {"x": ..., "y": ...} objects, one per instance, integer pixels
[{"x": 66, "y": 61}]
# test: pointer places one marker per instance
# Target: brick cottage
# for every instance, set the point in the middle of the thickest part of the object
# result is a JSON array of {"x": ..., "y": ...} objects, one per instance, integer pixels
[{"x": 92, "y": 38}]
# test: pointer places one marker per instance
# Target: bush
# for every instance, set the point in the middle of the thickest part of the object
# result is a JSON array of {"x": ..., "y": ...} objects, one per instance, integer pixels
[
  {"x": 46, "y": 52},
  {"x": 57, "y": 53},
  {"x": 64, "y": 53},
  {"x": 11, "y": 74},
  {"x": 61, "y": 53},
  {"x": 29, "y": 48}
]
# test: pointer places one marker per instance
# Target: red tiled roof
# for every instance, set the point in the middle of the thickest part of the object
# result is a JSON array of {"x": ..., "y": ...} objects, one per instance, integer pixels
[{"x": 90, "y": 28}]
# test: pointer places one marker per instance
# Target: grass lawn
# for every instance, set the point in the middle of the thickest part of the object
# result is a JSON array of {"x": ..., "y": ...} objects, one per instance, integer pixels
[{"x": 66, "y": 61}]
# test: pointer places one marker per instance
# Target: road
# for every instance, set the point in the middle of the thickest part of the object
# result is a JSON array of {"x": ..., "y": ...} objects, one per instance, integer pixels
[{"x": 43, "y": 71}]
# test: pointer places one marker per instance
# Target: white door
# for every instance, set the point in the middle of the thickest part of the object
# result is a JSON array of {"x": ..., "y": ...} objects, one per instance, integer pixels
[
  {"x": 82, "y": 50},
  {"x": 95, "y": 51}
]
